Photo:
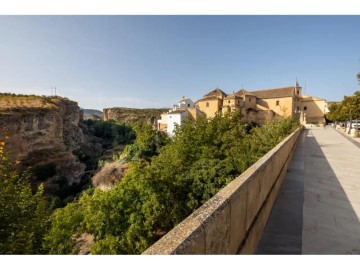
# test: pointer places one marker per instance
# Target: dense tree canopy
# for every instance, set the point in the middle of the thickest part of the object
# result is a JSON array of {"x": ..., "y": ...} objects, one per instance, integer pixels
[
  {"x": 112, "y": 133},
  {"x": 167, "y": 180},
  {"x": 160, "y": 191},
  {"x": 147, "y": 143},
  {"x": 350, "y": 106},
  {"x": 24, "y": 216}
]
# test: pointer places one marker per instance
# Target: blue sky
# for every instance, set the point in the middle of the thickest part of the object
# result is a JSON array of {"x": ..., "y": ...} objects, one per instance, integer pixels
[{"x": 152, "y": 61}]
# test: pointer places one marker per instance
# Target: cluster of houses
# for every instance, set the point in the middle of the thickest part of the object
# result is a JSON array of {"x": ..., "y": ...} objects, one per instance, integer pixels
[{"x": 256, "y": 106}]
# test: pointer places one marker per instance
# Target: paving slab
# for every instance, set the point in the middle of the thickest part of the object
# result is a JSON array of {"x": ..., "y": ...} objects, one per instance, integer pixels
[
  {"x": 321, "y": 192},
  {"x": 283, "y": 232}
]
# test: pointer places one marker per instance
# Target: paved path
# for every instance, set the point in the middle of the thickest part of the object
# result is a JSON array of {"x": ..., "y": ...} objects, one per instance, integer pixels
[{"x": 318, "y": 207}]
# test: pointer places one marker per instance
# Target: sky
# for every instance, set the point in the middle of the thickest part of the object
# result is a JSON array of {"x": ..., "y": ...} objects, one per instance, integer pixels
[{"x": 153, "y": 61}]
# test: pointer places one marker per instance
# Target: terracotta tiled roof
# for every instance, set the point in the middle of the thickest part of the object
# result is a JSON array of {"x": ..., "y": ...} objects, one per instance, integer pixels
[
  {"x": 232, "y": 96},
  {"x": 216, "y": 91},
  {"x": 275, "y": 93},
  {"x": 208, "y": 98},
  {"x": 243, "y": 92}
]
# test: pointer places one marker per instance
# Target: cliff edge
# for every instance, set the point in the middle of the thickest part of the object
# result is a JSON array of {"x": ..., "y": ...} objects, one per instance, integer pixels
[{"x": 42, "y": 133}]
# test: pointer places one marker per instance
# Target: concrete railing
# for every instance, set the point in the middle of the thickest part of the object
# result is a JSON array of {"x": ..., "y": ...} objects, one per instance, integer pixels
[{"x": 233, "y": 220}]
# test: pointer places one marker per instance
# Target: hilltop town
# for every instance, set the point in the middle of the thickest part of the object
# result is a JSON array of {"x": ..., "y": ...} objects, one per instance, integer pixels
[{"x": 255, "y": 106}]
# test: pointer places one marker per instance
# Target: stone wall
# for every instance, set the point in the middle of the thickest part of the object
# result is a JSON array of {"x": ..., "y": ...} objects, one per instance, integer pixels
[{"x": 232, "y": 221}]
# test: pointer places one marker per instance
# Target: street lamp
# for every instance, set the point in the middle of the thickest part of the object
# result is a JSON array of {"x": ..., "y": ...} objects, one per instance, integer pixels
[{"x": 349, "y": 131}]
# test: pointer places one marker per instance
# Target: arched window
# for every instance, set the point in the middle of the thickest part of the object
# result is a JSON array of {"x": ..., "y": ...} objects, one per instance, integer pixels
[{"x": 207, "y": 104}]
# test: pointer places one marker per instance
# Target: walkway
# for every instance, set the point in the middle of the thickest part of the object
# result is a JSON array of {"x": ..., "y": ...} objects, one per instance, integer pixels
[{"x": 317, "y": 210}]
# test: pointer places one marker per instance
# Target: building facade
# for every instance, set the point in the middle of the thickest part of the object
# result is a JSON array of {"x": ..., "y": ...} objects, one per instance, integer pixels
[
  {"x": 313, "y": 110},
  {"x": 212, "y": 102},
  {"x": 184, "y": 109},
  {"x": 262, "y": 105},
  {"x": 256, "y": 106}
]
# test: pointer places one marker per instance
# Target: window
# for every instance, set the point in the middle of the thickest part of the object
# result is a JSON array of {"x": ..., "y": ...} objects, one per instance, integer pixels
[
  {"x": 229, "y": 101},
  {"x": 277, "y": 103},
  {"x": 207, "y": 104},
  {"x": 250, "y": 99},
  {"x": 188, "y": 105},
  {"x": 297, "y": 91},
  {"x": 305, "y": 108}
]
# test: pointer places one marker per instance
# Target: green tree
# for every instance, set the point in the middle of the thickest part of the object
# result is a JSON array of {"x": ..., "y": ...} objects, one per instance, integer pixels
[
  {"x": 23, "y": 215},
  {"x": 351, "y": 106},
  {"x": 147, "y": 143},
  {"x": 335, "y": 112},
  {"x": 112, "y": 133},
  {"x": 154, "y": 196},
  {"x": 66, "y": 226}
]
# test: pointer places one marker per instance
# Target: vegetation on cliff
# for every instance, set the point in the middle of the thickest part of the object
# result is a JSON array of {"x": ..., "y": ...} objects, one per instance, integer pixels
[
  {"x": 132, "y": 115},
  {"x": 112, "y": 133},
  {"x": 165, "y": 181},
  {"x": 20, "y": 101},
  {"x": 159, "y": 191}
]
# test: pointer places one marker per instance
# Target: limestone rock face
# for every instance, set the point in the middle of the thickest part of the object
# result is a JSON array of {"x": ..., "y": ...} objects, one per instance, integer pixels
[
  {"x": 108, "y": 175},
  {"x": 42, "y": 133},
  {"x": 128, "y": 115}
]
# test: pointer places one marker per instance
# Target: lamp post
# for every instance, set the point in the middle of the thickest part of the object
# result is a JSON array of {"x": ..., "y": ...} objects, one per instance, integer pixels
[{"x": 349, "y": 131}]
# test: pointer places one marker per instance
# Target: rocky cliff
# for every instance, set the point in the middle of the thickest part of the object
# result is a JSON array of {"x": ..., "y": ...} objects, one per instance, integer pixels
[
  {"x": 128, "y": 115},
  {"x": 42, "y": 133}
]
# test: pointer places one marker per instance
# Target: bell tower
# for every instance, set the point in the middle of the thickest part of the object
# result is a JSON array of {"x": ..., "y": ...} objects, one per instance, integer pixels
[{"x": 298, "y": 89}]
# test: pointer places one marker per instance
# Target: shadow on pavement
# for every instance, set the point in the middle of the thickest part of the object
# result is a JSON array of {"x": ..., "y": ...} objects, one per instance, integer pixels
[{"x": 312, "y": 213}]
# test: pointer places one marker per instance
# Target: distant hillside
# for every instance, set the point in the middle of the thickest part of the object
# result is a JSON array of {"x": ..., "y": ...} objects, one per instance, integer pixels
[
  {"x": 128, "y": 115},
  {"x": 89, "y": 112}
]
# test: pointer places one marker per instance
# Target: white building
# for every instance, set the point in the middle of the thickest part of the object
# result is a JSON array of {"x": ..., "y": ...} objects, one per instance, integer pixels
[
  {"x": 176, "y": 118},
  {"x": 184, "y": 109}
]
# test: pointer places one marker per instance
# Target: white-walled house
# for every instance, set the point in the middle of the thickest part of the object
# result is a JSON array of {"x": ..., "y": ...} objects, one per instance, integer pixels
[
  {"x": 184, "y": 109},
  {"x": 185, "y": 103},
  {"x": 176, "y": 118}
]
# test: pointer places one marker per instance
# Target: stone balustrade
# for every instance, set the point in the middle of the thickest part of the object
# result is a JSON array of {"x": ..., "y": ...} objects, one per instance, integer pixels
[{"x": 232, "y": 221}]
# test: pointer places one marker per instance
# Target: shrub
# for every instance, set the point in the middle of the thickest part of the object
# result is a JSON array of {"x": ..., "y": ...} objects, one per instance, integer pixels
[
  {"x": 158, "y": 193},
  {"x": 23, "y": 215}
]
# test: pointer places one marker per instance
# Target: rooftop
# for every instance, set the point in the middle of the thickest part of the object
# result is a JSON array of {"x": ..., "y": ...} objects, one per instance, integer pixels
[
  {"x": 275, "y": 93},
  {"x": 208, "y": 98},
  {"x": 217, "y": 91},
  {"x": 243, "y": 92},
  {"x": 234, "y": 95}
]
